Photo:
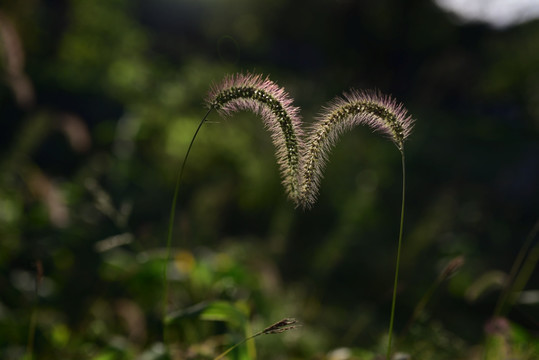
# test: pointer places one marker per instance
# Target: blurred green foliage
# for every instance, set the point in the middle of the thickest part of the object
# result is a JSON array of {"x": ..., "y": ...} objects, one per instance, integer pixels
[{"x": 99, "y": 101}]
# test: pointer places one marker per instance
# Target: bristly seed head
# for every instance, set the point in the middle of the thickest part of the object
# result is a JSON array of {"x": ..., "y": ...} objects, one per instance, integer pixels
[
  {"x": 380, "y": 112},
  {"x": 281, "y": 326},
  {"x": 302, "y": 160},
  {"x": 274, "y": 105}
]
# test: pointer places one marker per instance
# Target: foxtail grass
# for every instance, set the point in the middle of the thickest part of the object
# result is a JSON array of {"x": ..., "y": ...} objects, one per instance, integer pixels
[
  {"x": 277, "y": 328},
  {"x": 377, "y": 111},
  {"x": 373, "y": 109},
  {"x": 302, "y": 158},
  {"x": 266, "y": 99}
]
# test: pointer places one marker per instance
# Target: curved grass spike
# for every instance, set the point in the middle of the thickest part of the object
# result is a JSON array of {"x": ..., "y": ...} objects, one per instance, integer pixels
[
  {"x": 281, "y": 118},
  {"x": 302, "y": 163},
  {"x": 380, "y": 112}
]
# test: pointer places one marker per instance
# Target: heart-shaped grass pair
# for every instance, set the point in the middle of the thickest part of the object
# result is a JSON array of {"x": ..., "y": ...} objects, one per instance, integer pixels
[{"x": 302, "y": 154}]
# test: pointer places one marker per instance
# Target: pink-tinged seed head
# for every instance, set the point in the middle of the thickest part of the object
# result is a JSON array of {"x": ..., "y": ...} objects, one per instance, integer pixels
[
  {"x": 380, "y": 112},
  {"x": 265, "y": 98},
  {"x": 302, "y": 162}
]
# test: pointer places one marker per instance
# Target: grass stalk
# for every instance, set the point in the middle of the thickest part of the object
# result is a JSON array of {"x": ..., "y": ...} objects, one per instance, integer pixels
[
  {"x": 223, "y": 354},
  {"x": 511, "y": 281},
  {"x": 277, "y": 328},
  {"x": 450, "y": 269},
  {"x": 394, "y": 300},
  {"x": 519, "y": 275},
  {"x": 31, "y": 334},
  {"x": 171, "y": 224},
  {"x": 33, "y": 316}
]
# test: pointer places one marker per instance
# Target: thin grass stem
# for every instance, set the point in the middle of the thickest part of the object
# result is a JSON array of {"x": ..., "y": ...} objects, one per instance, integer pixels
[
  {"x": 277, "y": 328},
  {"x": 517, "y": 279},
  {"x": 31, "y": 335},
  {"x": 450, "y": 269},
  {"x": 223, "y": 354},
  {"x": 171, "y": 223},
  {"x": 33, "y": 316},
  {"x": 393, "y": 302},
  {"x": 421, "y": 305},
  {"x": 509, "y": 286}
]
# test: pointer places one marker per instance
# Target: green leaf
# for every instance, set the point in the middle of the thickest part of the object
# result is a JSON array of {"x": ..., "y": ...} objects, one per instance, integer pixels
[
  {"x": 233, "y": 314},
  {"x": 225, "y": 311},
  {"x": 189, "y": 312}
]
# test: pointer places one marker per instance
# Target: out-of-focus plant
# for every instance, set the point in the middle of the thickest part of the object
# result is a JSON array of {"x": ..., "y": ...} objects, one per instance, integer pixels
[{"x": 277, "y": 328}]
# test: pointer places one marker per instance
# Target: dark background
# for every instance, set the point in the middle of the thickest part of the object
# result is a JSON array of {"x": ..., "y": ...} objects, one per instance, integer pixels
[{"x": 100, "y": 99}]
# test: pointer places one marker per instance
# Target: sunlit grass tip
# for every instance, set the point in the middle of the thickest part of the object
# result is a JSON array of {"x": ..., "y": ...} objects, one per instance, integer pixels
[
  {"x": 265, "y": 98},
  {"x": 380, "y": 112}
]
